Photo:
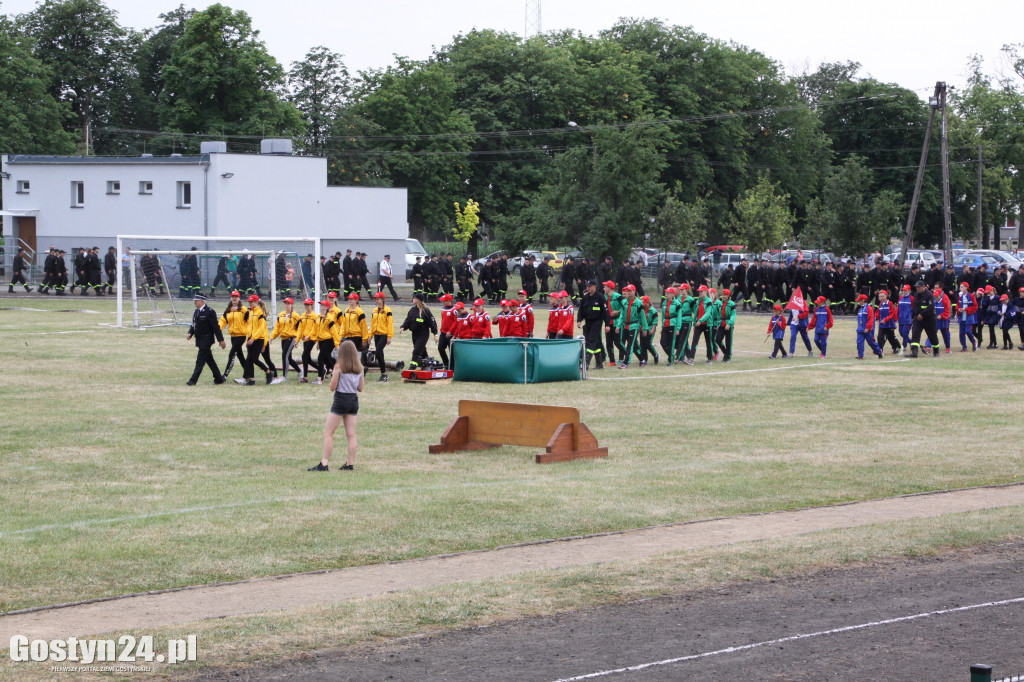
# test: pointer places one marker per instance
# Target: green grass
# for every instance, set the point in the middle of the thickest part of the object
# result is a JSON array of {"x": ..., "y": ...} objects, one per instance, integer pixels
[{"x": 116, "y": 477}]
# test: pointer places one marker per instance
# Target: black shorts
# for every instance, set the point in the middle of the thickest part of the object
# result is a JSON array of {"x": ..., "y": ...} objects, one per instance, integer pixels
[{"x": 345, "y": 403}]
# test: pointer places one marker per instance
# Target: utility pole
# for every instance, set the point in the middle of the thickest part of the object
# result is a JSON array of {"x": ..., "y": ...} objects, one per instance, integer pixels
[
  {"x": 933, "y": 103},
  {"x": 532, "y": 18},
  {"x": 984, "y": 246},
  {"x": 947, "y": 246}
]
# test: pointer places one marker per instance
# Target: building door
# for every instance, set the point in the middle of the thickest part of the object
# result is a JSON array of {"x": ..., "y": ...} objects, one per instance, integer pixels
[{"x": 27, "y": 231}]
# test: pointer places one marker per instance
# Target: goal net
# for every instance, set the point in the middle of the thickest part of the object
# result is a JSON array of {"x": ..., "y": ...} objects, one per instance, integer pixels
[{"x": 159, "y": 276}]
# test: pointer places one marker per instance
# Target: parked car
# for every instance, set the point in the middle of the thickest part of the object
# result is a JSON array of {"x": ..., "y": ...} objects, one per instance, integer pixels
[
  {"x": 720, "y": 260},
  {"x": 922, "y": 258},
  {"x": 413, "y": 248},
  {"x": 673, "y": 257},
  {"x": 513, "y": 263},
  {"x": 1000, "y": 257},
  {"x": 973, "y": 260}
]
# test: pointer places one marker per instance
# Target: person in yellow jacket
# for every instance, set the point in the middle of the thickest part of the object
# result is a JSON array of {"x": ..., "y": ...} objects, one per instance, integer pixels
[
  {"x": 335, "y": 311},
  {"x": 382, "y": 328},
  {"x": 327, "y": 339},
  {"x": 287, "y": 328},
  {"x": 233, "y": 320},
  {"x": 353, "y": 324},
  {"x": 256, "y": 317},
  {"x": 307, "y": 332}
]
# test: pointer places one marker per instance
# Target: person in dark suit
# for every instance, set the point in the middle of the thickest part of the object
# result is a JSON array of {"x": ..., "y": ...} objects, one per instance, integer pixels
[{"x": 205, "y": 328}]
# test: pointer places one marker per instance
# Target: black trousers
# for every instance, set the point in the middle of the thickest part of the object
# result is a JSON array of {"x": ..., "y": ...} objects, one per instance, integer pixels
[
  {"x": 379, "y": 341},
  {"x": 237, "y": 351},
  {"x": 287, "y": 346},
  {"x": 927, "y": 326},
  {"x": 592, "y": 335},
  {"x": 668, "y": 342},
  {"x": 443, "y": 343},
  {"x": 252, "y": 360},
  {"x": 111, "y": 278},
  {"x": 889, "y": 335},
  {"x": 630, "y": 345},
  {"x": 647, "y": 346},
  {"x": 221, "y": 277},
  {"x": 419, "y": 345},
  {"x": 465, "y": 289},
  {"x": 991, "y": 336},
  {"x": 778, "y": 347},
  {"x": 18, "y": 278},
  {"x": 357, "y": 340},
  {"x": 683, "y": 341},
  {"x": 544, "y": 291},
  {"x": 307, "y": 358},
  {"x": 204, "y": 358},
  {"x": 723, "y": 341},
  {"x": 698, "y": 332},
  {"x": 324, "y": 361},
  {"x": 265, "y": 354},
  {"x": 382, "y": 282},
  {"x": 612, "y": 343}
]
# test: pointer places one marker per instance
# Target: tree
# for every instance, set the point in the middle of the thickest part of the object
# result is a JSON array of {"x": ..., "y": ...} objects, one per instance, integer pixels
[
  {"x": 220, "y": 79},
  {"x": 762, "y": 218},
  {"x": 813, "y": 87},
  {"x": 318, "y": 87},
  {"x": 30, "y": 117},
  {"x": 466, "y": 221},
  {"x": 678, "y": 226},
  {"x": 846, "y": 218},
  {"x": 87, "y": 53},
  {"x": 154, "y": 51}
]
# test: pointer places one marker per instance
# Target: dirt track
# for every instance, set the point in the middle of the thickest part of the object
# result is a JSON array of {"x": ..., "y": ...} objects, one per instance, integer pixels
[{"x": 294, "y": 591}]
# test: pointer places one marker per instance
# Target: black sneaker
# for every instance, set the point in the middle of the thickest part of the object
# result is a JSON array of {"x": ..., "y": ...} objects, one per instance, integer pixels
[
  {"x": 190, "y": 383},
  {"x": 319, "y": 467},
  {"x": 270, "y": 378},
  {"x": 222, "y": 380},
  {"x": 344, "y": 467},
  {"x": 383, "y": 378}
]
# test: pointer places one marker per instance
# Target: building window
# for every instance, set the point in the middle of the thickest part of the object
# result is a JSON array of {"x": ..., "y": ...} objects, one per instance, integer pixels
[
  {"x": 77, "y": 194},
  {"x": 145, "y": 187},
  {"x": 22, "y": 187},
  {"x": 184, "y": 194},
  {"x": 113, "y": 186}
]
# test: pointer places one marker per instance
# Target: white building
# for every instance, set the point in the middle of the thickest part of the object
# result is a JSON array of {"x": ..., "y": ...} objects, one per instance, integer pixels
[{"x": 72, "y": 201}]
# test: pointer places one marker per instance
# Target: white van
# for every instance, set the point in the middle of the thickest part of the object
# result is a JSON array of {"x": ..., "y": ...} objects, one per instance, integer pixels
[{"x": 413, "y": 248}]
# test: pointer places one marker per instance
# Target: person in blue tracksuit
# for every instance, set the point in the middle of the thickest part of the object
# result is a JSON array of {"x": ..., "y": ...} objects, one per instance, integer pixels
[
  {"x": 942, "y": 313},
  {"x": 822, "y": 323},
  {"x": 798, "y": 322},
  {"x": 967, "y": 316},
  {"x": 905, "y": 316},
  {"x": 887, "y": 316},
  {"x": 990, "y": 307},
  {"x": 777, "y": 329},
  {"x": 866, "y": 328},
  {"x": 1008, "y": 315}
]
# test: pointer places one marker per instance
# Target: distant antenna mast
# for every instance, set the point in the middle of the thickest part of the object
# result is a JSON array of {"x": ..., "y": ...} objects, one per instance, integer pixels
[{"x": 532, "y": 18}]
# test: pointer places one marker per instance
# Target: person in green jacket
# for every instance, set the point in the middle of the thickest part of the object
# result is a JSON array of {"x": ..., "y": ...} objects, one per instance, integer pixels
[
  {"x": 723, "y": 339},
  {"x": 647, "y": 336},
  {"x": 671, "y": 318},
  {"x": 706, "y": 318},
  {"x": 630, "y": 323},
  {"x": 611, "y": 331},
  {"x": 687, "y": 306}
]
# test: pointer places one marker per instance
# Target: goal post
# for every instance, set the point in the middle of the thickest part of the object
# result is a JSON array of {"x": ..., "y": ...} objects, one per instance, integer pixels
[{"x": 156, "y": 270}]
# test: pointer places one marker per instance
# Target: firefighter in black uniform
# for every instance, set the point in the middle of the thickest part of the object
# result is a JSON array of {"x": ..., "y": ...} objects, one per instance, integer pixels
[
  {"x": 431, "y": 278},
  {"x": 464, "y": 279},
  {"x": 49, "y": 264},
  {"x": 528, "y": 274},
  {"x": 739, "y": 282},
  {"x": 592, "y": 317},
  {"x": 205, "y": 328},
  {"x": 78, "y": 265},
  {"x": 664, "y": 276},
  {"x": 604, "y": 271},
  {"x": 417, "y": 276},
  {"x": 60, "y": 272},
  {"x": 544, "y": 272},
  {"x": 93, "y": 270},
  {"x": 485, "y": 279},
  {"x": 110, "y": 267},
  {"x": 18, "y": 266},
  {"x": 364, "y": 272},
  {"x": 924, "y": 319},
  {"x": 447, "y": 274},
  {"x": 501, "y": 276},
  {"x": 189, "y": 269},
  {"x": 346, "y": 272}
]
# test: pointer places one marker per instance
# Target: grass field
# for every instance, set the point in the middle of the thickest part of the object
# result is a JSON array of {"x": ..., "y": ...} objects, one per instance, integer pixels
[{"x": 116, "y": 477}]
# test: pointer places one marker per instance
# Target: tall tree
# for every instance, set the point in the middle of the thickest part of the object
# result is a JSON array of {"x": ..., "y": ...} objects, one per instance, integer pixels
[
  {"x": 87, "y": 52},
  {"x": 824, "y": 81},
  {"x": 678, "y": 226},
  {"x": 30, "y": 118},
  {"x": 221, "y": 79},
  {"x": 762, "y": 218},
  {"x": 153, "y": 53},
  {"x": 318, "y": 86}
]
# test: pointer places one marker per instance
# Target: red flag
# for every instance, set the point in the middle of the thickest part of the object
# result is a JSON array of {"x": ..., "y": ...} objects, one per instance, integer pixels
[{"x": 797, "y": 302}]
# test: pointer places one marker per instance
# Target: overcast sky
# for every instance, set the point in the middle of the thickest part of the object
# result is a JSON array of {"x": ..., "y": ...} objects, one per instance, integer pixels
[{"x": 910, "y": 42}]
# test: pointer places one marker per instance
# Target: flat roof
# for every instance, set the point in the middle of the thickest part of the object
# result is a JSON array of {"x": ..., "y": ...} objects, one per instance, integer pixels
[{"x": 38, "y": 159}]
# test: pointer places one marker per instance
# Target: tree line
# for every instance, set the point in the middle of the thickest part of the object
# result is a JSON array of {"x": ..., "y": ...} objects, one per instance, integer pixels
[{"x": 643, "y": 132}]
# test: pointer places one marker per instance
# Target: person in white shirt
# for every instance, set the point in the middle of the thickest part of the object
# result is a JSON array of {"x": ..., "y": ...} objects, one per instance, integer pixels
[{"x": 384, "y": 277}]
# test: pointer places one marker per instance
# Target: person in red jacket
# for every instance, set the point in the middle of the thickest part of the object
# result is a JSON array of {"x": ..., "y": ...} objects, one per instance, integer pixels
[
  {"x": 444, "y": 334},
  {"x": 554, "y": 316},
  {"x": 480, "y": 320},
  {"x": 943, "y": 311},
  {"x": 822, "y": 316},
  {"x": 516, "y": 324},
  {"x": 866, "y": 328},
  {"x": 567, "y": 327},
  {"x": 461, "y": 327},
  {"x": 500, "y": 319},
  {"x": 888, "y": 315},
  {"x": 777, "y": 330},
  {"x": 967, "y": 316},
  {"x": 527, "y": 310}
]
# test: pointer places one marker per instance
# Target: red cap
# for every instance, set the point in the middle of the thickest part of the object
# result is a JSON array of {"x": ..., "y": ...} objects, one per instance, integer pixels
[
  {"x": 1020, "y": 290},
  {"x": 1004, "y": 297},
  {"x": 629, "y": 287},
  {"x": 684, "y": 285},
  {"x": 353, "y": 297},
  {"x": 670, "y": 290},
  {"x": 460, "y": 306},
  {"x": 565, "y": 294},
  {"x": 523, "y": 293},
  {"x": 309, "y": 301},
  {"x": 965, "y": 284},
  {"x": 702, "y": 288},
  {"x": 712, "y": 291},
  {"x": 513, "y": 303},
  {"x": 906, "y": 287},
  {"x": 379, "y": 294},
  {"x": 778, "y": 307},
  {"x": 446, "y": 297},
  {"x": 478, "y": 301},
  {"x": 332, "y": 294},
  {"x": 989, "y": 289},
  {"x": 725, "y": 292},
  {"x": 503, "y": 302},
  {"x": 325, "y": 302},
  {"x": 235, "y": 293},
  {"x": 289, "y": 300},
  {"x": 609, "y": 283},
  {"x": 862, "y": 297},
  {"x": 253, "y": 297},
  {"x": 645, "y": 299},
  {"x": 820, "y": 300},
  {"x": 882, "y": 291}
]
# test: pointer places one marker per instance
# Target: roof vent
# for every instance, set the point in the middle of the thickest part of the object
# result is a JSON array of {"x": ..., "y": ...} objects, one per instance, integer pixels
[
  {"x": 213, "y": 147},
  {"x": 278, "y": 147},
  {"x": 175, "y": 156}
]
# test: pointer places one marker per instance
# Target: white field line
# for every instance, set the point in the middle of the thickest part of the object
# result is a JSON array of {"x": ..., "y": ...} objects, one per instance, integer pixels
[
  {"x": 793, "y": 638},
  {"x": 694, "y": 375}
]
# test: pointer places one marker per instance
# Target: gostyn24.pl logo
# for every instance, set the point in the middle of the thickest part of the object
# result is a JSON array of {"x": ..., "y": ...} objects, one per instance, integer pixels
[{"x": 126, "y": 649}]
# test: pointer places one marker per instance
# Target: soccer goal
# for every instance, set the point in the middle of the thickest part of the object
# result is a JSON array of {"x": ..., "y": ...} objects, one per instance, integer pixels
[{"x": 161, "y": 275}]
